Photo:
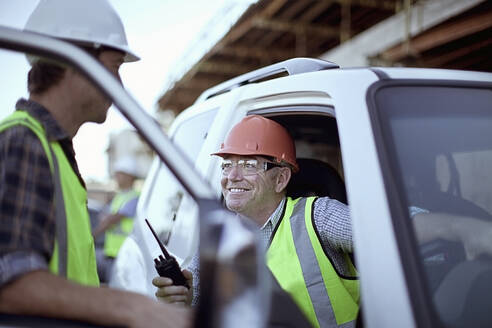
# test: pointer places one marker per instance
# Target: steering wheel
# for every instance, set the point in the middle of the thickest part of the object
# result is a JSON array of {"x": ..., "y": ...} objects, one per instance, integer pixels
[{"x": 439, "y": 257}]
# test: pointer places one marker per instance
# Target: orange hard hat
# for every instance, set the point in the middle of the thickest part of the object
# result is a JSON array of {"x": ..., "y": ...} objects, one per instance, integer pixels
[{"x": 260, "y": 136}]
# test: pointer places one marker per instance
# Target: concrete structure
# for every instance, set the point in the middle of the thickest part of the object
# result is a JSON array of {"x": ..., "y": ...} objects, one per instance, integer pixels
[
  {"x": 453, "y": 34},
  {"x": 363, "y": 49}
]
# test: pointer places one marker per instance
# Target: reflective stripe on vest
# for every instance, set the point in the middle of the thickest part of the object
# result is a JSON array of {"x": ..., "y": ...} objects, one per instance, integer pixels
[
  {"x": 73, "y": 254},
  {"x": 298, "y": 262},
  {"x": 116, "y": 235}
]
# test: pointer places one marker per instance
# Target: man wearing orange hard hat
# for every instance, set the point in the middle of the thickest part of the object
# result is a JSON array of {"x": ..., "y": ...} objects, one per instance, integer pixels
[{"x": 308, "y": 239}]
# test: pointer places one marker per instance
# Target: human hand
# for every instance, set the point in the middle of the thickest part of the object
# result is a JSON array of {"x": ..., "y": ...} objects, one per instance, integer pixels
[
  {"x": 169, "y": 293},
  {"x": 477, "y": 239},
  {"x": 106, "y": 222},
  {"x": 161, "y": 315}
]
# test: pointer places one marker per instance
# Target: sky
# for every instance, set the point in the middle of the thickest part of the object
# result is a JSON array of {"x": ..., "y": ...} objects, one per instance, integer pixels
[{"x": 159, "y": 31}]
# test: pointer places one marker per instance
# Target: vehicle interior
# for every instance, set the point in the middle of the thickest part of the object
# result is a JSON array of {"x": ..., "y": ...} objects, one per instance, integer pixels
[
  {"x": 451, "y": 182},
  {"x": 318, "y": 155},
  {"x": 448, "y": 173}
]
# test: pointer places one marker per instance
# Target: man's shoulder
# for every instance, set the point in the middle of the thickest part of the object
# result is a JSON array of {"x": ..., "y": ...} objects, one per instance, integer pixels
[
  {"x": 326, "y": 199},
  {"x": 329, "y": 205},
  {"x": 18, "y": 133},
  {"x": 18, "y": 140}
]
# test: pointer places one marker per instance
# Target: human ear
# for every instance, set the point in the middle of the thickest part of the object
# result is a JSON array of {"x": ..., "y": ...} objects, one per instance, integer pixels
[{"x": 283, "y": 178}]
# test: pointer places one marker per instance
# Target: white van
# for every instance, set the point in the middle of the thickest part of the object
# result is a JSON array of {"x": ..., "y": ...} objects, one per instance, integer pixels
[{"x": 381, "y": 139}]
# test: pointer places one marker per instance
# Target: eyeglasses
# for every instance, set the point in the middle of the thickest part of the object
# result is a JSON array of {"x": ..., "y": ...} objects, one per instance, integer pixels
[{"x": 248, "y": 167}]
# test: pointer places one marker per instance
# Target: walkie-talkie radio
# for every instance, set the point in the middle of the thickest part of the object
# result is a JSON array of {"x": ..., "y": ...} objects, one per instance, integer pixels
[{"x": 166, "y": 265}]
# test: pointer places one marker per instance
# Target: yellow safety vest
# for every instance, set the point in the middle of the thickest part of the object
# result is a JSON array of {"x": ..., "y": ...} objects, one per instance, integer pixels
[
  {"x": 298, "y": 262},
  {"x": 117, "y": 235},
  {"x": 73, "y": 255}
]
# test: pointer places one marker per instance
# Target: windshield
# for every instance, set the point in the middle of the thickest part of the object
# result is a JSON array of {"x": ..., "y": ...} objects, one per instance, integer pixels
[{"x": 439, "y": 146}]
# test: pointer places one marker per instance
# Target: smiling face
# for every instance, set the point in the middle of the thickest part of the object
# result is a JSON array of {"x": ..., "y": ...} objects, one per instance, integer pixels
[{"x": 255, "y": 195}]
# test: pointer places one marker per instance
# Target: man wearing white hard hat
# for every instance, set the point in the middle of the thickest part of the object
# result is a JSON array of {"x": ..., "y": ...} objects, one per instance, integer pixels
[
  {"x": 47, "y": 259},
  {"x": 118, "y": 223}
]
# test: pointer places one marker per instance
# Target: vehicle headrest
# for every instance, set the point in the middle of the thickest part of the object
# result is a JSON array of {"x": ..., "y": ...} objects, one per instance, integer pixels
[{"x": 318, "y": 178}]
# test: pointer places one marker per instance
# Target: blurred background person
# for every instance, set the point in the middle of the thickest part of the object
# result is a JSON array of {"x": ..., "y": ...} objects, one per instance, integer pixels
[{"x": 117, "y": 220}]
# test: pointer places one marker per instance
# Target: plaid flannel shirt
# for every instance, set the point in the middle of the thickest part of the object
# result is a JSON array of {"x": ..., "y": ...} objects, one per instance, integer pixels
[{"x": 27, "y": 220}]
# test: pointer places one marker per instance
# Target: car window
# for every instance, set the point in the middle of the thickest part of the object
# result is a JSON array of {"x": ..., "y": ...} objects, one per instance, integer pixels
[
  {"x": 164, "y": 199},
  {"x": 191, "y": 133},
  {"x": 439, "y": 145},
  {"x": 166, "y": 194}
]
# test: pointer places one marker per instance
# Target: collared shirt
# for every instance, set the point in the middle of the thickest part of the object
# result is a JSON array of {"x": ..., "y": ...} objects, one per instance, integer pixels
[
  {"x": 27, "y": 220},
  {"x": 332, "y": 222},
  {"x": 267, "y": 229}
]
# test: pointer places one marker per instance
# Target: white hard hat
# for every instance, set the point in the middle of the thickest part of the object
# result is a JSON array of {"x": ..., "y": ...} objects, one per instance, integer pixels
[
  {"x": 91, "y": 22},
  {"x": 127, "y": 165}
]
